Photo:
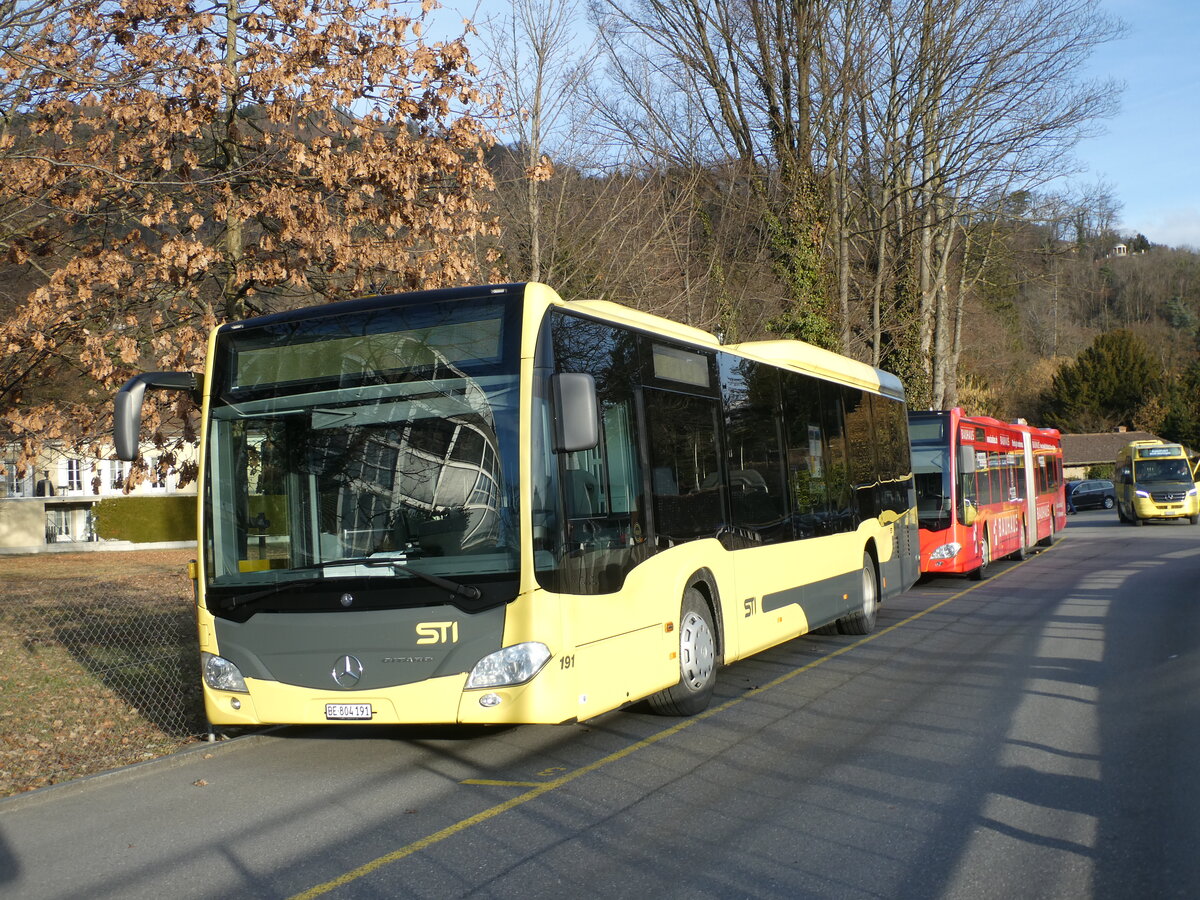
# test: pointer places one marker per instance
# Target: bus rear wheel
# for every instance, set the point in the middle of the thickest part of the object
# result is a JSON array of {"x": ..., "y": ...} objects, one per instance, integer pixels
[
  {"x": 697, "y": 661},
  {"x": 1022, "y": 553},
  {"x": 1048, "y": 540},
  {"x": 862, "y": 620}
]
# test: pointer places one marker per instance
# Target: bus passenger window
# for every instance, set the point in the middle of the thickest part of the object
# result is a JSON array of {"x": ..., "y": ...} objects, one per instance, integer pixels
[
  {"x": 754, "y": 452},
  {"x": 685, "y": 469}
]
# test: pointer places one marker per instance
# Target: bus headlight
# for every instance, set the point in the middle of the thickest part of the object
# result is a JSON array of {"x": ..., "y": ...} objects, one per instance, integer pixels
[
  {"x": 222, "y": 675},
  {"x": 512, "y": 665},
  {"x": 946, "y": 551},
  {"x": 1141, "y": 493},
  {"x": 1192, "y": 492}
]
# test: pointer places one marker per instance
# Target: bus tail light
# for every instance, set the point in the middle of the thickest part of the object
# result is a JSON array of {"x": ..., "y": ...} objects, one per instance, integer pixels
[
  {"x": 222, "y": 675},
  {"x": 511, "y": 665}
]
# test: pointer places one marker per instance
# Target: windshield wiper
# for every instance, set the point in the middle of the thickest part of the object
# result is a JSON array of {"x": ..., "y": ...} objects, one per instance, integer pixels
[
  {"x": 234, "y": 602},
  {"x": 457, "y": 589}
]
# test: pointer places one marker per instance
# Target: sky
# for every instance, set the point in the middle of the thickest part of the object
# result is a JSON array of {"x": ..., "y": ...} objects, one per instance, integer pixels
[{"x": 1150, "y": 153}]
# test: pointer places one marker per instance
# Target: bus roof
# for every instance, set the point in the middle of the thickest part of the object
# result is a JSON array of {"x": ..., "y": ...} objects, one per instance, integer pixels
[
  {"x": 1151, "y": 450},
  {"x": 816, "y": 361},
  {"x": 791, "y": 354},
  {"x": 626, "y": 315}
]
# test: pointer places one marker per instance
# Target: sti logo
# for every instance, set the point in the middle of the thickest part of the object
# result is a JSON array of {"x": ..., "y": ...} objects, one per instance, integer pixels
[{"x": 437, "y": 633}]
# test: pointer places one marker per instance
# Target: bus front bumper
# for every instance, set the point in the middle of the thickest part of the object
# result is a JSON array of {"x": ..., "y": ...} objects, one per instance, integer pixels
[
  {"x": 434, "y": 701},
  {"x": 1150, "y": 508}
]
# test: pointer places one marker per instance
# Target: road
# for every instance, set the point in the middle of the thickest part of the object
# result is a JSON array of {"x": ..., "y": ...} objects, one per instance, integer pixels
[{"x": 1030, "y": 735}]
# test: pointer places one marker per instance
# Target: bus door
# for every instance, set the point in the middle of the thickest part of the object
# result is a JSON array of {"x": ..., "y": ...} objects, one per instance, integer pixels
[
  {"x": 970, "y": 522},
  {"x": 1029, "y": 482}
]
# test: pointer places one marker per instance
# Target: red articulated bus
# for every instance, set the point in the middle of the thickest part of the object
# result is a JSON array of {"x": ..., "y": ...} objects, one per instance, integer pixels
[{"x": 986, "y": 489}]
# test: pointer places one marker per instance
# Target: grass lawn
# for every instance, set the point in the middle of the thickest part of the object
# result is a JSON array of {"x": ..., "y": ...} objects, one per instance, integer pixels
[{"x": 100, "y": 663}]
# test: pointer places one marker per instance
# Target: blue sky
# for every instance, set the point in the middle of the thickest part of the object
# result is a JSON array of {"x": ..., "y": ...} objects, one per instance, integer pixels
[{"x": 1150, "y": 153}]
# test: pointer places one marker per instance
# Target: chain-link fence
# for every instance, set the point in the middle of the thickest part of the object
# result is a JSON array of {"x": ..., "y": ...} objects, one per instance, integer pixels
[{"x": 98, "y": 675}]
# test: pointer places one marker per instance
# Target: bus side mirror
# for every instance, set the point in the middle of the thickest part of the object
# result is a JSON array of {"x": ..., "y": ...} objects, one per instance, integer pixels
[
  {"x": 576, "y": 420},
  {"x": 127, "y": 406},
  {"x": 966, "y": 460},
  {"x": 969, "y": 514}
]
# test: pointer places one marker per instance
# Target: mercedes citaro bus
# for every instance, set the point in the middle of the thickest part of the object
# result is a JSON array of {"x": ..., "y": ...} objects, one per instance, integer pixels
[
  {"x": 488, "y": 505},
  {"x": 986, "y": 489}
]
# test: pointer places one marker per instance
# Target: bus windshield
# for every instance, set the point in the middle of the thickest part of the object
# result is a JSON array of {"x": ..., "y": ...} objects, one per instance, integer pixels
[
  {"x": 375, "y": 445},
  {"x": 1151, "y": 471},
  {"x": 931, "y": 470},
  {"x": 931, "y": 467}
]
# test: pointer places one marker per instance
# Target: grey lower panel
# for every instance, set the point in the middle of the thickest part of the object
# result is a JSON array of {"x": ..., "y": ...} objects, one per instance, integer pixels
[
  {"x": 822, "y": 601},
  {"x": 393, "y": 647},
  {"x": 895, "y": 577}
]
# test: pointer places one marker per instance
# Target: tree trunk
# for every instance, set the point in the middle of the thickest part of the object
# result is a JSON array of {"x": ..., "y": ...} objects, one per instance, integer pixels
[{"x": 232, "y": 291}]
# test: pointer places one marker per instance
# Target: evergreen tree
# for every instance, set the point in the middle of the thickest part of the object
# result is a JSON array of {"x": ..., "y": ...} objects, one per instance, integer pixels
[
  {"x": 1104, "y": 387},
  {"x": 1182, "y": 421}
]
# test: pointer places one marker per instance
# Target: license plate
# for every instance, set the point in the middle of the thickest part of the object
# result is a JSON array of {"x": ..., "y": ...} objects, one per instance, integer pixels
[{"x": 343, "y": 711}]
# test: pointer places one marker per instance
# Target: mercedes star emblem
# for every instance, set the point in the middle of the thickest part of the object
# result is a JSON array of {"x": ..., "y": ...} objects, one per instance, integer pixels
[{"x": 347, "y": 671}]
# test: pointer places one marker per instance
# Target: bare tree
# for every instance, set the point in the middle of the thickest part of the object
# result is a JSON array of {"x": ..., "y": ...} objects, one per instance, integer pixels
[
  {"x": 543, "y": 65},
  {"x": 716, "y": 84},
  {"x": 878, "y": 135}
]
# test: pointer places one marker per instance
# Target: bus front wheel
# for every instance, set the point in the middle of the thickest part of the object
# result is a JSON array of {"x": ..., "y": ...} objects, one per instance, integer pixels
[
  {"x": 986, "y": 553},
  {"x": 697, "y": 661}
]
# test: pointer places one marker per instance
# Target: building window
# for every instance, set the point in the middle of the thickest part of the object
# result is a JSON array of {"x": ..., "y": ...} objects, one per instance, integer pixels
[
  {"x": 74, "y": 475},
  {"x": 15, "y": 486}
]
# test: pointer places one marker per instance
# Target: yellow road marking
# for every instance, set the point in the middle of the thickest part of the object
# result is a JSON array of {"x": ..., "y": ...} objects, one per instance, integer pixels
[
  {"x": 546, "y": 787},
  {"x": 489, "y": 783}
]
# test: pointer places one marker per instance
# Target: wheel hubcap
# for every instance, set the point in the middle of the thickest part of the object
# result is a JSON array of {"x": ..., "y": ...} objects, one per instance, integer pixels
[
  {"x": 869, "y": 598},
  {"x": 697, "y": 651}
]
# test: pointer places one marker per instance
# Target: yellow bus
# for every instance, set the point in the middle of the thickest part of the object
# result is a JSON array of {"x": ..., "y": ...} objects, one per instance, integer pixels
[
  {"x": 1155, "y": 480},
  {"x": 489, "y": 505}
]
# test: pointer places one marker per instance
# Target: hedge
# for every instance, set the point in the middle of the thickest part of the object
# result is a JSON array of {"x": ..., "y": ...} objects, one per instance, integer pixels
[{"x": 145, "y": 520}]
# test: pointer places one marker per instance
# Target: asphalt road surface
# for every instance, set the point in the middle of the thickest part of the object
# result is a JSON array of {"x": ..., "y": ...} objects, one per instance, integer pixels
[{"x": 1031, "y": 735}]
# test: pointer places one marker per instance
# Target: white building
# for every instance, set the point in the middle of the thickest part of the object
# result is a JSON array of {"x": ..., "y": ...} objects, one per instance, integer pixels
[{"x": 52, "y": 502}]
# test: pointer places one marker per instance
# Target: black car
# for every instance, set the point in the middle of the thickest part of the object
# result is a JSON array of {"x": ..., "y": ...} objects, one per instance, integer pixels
[{"x": 1092, "y": 494}]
